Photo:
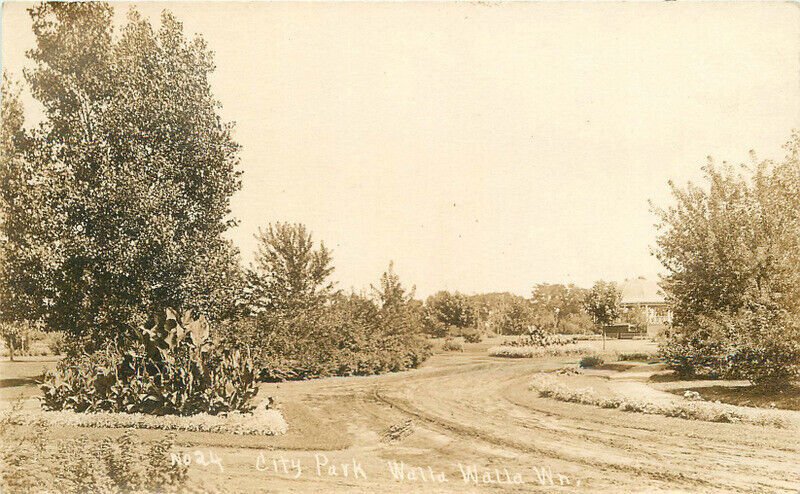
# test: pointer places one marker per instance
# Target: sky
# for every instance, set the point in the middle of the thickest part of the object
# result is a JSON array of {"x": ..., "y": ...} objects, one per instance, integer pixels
[{"x": 482, "y": 146}]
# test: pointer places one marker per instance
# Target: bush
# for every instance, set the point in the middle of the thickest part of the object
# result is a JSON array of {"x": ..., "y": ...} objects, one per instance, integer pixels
[
  {"x": 761, "y": 345},
  {"x": 473, "y": 337},
  {"x": 635, "y": 356},
  {"x": 351, "y": 336},
  {"x": 590, "y": 361},
  {"x": 168, "y": 367},
  {"x": 452, "y": 345}
]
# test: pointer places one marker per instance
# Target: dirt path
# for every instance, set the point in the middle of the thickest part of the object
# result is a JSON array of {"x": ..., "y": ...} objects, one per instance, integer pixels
[{"x": 470, "y": 411}]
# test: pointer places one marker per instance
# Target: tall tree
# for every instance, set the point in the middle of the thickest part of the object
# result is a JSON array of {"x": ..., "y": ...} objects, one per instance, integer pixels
[
  {"x": 445, "y": 310},
  {"x": 290, "y": 273},
  {"x": 399, "y": 313},
  {"x": 390, "y": 292},
  {"x": 558, "y": 301},
  {"x": 731, "y": 249},
  {"x": 128, "y": 177}
]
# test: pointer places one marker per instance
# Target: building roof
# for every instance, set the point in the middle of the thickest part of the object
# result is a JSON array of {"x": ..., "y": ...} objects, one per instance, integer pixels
[{"x": 641, "y": 291}]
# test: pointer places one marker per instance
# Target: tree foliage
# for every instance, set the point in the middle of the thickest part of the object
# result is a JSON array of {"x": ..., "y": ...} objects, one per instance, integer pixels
[
  {"x": 445, "y": 310},
  {"x": 731, "y": 249},
  {"x": 114, "y": 206},
  {"x": 602, "y": 302},
  {"x": 557, "y": 301},
  {"x": 291, "y": 273}
]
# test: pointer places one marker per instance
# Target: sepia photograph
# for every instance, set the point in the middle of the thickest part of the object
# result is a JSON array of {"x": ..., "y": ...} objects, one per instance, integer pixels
[{"x": 391, "y": 247}]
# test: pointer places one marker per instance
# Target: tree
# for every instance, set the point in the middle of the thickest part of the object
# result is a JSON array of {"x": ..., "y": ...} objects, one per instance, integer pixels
[
  {"x": 558, "y": 301},
  {"x": 445, "y": 310},
  {"x": 515, "y": 317},
  {"x": 126, "y": 182},
  {"x": 400, "y": 313},
  {"x": 635, "y": 316},
  {"x": 390, "y": 293},
  {"x": 602, "y": 303},
  {"x": 290, "y": 274},
  {"x": 732, "y": 254}
]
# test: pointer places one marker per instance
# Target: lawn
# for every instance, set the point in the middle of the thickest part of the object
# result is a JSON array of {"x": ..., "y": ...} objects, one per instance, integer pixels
[
  {"x": 18, "y": 379},
  {"x": 748, "y": 396}
]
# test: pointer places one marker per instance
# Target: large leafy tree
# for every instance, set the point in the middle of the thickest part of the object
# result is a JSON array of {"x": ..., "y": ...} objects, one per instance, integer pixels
[
  {"x": 557, "y": 300},
  {"x": 127, "y": 180},
  {"x": 291, "y": 273},
  {"x": 445, "y": 311},
  {"x": 731, "y": 249}
]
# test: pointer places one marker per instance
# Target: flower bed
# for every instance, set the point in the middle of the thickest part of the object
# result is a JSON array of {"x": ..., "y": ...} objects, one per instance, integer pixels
[
  {"x": 538, "y": 351},
  {"x": 261, "y": 422},
  {"x": 549, "y": 387}
]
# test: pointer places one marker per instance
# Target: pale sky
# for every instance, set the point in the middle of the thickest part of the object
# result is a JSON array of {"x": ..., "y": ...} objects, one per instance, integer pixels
[{"x": 484, "y": 147}]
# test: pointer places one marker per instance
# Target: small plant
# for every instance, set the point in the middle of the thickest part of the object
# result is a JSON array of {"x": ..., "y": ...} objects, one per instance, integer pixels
[
  {"x": 692, "y": 395},
  {"x": 452, "y": 345},
  {"x": 589, "y": 361}
]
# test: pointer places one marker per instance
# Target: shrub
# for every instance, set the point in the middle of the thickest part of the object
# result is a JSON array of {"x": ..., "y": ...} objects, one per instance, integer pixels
[
  {"x": 452, "y": 345},
  {"x": 590, "y": 361},
  {"x": 168, "y": 367},
  {"x": 473, "y": 337},
  {"x": 350, "y": 336},
  {"x": 635, "y": 356},
  {"x": 760, "y": 344}
]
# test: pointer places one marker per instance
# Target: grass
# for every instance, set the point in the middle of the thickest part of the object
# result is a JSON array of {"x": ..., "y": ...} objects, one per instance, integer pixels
[
  {"x": 749, "y": 396},
  {"x": 20, "y": 378}
]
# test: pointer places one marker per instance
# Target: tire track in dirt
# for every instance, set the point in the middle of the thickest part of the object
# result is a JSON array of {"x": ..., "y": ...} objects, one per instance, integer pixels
[{"x": 673, "y": 459}]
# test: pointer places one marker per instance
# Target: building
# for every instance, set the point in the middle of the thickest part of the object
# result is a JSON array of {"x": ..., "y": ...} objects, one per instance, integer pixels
[{"x": 647, "y": 295}]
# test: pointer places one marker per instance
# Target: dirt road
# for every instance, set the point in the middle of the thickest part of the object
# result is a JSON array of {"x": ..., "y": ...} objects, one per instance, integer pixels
[{"x": 473, "y": 418}]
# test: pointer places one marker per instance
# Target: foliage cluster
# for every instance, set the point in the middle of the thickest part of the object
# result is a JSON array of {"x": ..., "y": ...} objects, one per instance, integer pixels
[
  {"x": 732, "y": 253},
  {"x": 31, "y": 461},
  {"x": 452, "y": 345},
  {"x": 602, "y": 303},
  {"x": 115, "y": 205},
  {"x": 170, "y": 366},
  {"x": 589, "y": 361},
  {"x": 449, "y": 314},
  {"x": 301, "y": 328},
  {"x": 635, "y": 356}
]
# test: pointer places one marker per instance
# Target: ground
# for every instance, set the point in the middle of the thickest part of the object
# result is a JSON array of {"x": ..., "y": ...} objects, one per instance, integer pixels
[{"x": 470, "y": 410}]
